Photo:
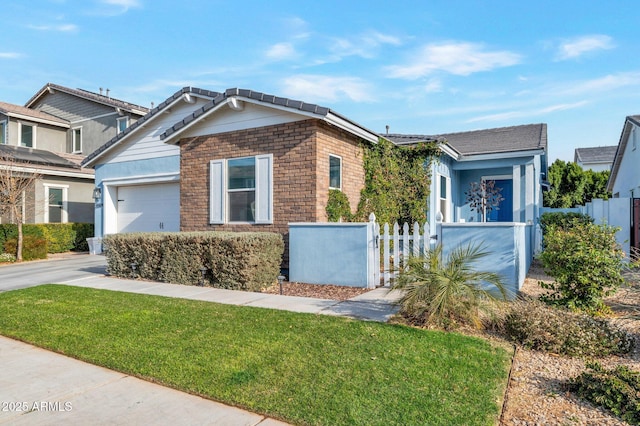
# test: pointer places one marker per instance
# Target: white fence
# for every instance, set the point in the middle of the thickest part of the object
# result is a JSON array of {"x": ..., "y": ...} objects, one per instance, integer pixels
[{"x": 397, "y": 247}]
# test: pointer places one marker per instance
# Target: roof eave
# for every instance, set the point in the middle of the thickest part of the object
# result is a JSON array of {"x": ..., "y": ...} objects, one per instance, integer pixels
[
  {"x": 37, "y": 119},
  {"x": 506, "y": 154}
]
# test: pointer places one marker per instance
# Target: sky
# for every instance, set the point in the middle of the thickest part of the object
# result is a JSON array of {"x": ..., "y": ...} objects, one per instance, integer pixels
[{"x": 420, "y": 67}]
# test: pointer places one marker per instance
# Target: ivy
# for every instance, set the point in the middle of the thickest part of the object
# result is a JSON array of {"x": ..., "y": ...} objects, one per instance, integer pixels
[
  {"x": 397, "y": 181},
  {"x": 338, "y": 207}
]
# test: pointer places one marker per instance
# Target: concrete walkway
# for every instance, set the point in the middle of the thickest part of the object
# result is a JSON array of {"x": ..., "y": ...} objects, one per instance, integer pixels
[{"x": 38, "y": 387}]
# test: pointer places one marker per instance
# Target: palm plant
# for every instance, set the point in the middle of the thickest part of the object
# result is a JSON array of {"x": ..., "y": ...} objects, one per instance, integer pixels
[{"x": 443, "y": 292}]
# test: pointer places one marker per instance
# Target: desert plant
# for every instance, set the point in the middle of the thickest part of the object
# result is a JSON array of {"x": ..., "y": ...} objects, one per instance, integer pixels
[
  {"x": 538, "y": 326},
  {"x": 446, "y": 292},
  {"x": 586, "y": 263},
  {"x": 616, "y": 389}
]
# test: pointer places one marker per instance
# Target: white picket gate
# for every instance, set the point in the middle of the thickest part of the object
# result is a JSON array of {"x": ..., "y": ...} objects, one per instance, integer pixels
[{"x": 398, "y": 247}]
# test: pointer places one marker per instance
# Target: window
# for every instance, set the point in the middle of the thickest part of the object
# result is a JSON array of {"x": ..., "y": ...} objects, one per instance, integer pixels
[
  {"x": 123, "y": 123},
  {"x": 241, "y": 190},
  {"x": 55, "y": 204},
  {"x": 27, "y": 135},
  {"x": 443, "y": 191},
  {"x": 335, "y": 172},
  {"x": 77, "y": 139},
  {"x": 3, "y": 132}
]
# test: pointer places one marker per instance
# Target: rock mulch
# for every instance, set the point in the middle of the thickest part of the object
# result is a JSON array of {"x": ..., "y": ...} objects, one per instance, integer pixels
[
  {"x": 536, "y": 394},
  {"x": 318, "y": 291}
]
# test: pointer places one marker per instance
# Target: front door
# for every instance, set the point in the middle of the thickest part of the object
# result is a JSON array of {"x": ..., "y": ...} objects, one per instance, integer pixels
[{"x": 504, "y": 212}]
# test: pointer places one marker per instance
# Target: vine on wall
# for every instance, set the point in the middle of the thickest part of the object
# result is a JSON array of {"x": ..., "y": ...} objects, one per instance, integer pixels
[{"x": 397, "y": 182}]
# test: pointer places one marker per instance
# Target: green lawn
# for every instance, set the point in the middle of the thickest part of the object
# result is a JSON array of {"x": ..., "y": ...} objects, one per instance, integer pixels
[{"x": 301, "y": 368}]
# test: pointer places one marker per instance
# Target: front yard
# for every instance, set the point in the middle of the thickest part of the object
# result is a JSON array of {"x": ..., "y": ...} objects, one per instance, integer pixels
[{"x": 301, "y": 368}]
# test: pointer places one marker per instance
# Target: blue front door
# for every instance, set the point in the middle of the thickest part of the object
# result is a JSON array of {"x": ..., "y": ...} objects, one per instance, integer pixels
[{"x": 504, "y": 212}]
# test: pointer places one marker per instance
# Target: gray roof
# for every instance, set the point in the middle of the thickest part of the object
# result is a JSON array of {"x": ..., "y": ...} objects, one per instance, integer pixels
[
  {"x": 598, "y": 154},
  {"x": 489, "y": 141},
  {"x": 258, "y": 96},
  {"x": 146, "y": 118},
  {"x": 95, "y": 97},
  {"x": 37, "y": 157},
  {"x": 13, "y": 110}
]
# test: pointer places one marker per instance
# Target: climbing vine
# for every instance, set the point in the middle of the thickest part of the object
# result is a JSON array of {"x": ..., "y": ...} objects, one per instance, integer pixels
[{"x": 397, "y": 181}]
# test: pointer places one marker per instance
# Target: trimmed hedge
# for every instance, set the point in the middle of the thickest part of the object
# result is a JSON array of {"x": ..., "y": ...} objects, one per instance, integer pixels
[
  {"x": 60, "y": 237},
  {"x": 32, "y": 247},
  {"x": 234, "y": 260}
]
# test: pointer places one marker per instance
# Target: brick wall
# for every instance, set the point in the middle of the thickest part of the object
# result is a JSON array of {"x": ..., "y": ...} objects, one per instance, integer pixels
[{"x": 300, "y": 172}]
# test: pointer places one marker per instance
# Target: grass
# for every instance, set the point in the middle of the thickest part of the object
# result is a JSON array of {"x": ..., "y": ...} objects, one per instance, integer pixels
[{"x": 301, "y": 368}]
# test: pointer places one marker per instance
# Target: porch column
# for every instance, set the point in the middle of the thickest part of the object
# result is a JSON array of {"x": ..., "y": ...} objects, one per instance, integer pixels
[
  {"x": 517, "y": 198},
  {"x": 529, "y": 188}
]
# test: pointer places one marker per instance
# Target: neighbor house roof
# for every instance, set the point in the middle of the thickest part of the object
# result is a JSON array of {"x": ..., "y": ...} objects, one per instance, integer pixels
[
  {"x": 629, "y": 122},
  {"x": 598, "y": 154},
  {"x": 85, "y": 94},
  {"x": 20, "y": 112},
  {"x": 528, "y": 137},
  {"x": 185, "y": 91},
  {"x": 232, "y": 96},
  {"x": 44, "y": 162}
]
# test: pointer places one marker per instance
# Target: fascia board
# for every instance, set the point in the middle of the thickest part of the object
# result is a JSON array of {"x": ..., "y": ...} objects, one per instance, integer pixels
[
  {"x": 501, "y": 155},
  {"x": 36, "y": 170},
  {"x": 37, "y": 119}
]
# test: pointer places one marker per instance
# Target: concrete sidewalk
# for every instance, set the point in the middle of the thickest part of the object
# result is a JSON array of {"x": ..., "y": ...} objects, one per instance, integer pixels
[{"x": 39, "y": 387}]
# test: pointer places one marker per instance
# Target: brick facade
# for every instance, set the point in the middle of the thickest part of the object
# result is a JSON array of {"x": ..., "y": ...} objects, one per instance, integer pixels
[{"x": 300, "y": 172}]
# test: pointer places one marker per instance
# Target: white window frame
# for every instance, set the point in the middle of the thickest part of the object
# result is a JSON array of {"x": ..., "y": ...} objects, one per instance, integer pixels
[
  {"x": 64, "y": 216},
  {"x": 73, "y": 140},
  {"x": 33, "y": 137},
  {"x": 339, "y": 187},
  {"x": 219, "y": 193},
  {"x": 3, "y": 128},
  {"x": 446, "y": 214},
  {"x": 124, "y": 120}
]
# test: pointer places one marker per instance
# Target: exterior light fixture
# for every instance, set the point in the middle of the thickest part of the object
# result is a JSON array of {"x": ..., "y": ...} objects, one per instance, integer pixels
[
  {"x": 203, "y": 271},
  {"x": 280, "y": 280},
  {"x": 134, "y": 266},
  {"x": 97, "y": 194}
]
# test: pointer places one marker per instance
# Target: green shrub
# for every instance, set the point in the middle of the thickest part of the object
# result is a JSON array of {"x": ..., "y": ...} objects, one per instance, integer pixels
[
  {"x": 562, "y": 220},
  {"x": 7, "y": 258},
  {"x": 586, "y": 263},
  {"x": 617, "y": 389},
  {"x": 234, "y": 260},
  {"x": 537, "y": 326},
  {"x": 447, "y": 292},
  {"x": 32, "y": 247},
  {"x": 338, "y": 206},
  {"x": 61, "y": 237}
]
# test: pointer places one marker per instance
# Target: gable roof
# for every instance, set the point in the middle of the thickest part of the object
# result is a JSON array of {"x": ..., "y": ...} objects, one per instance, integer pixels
[
  {"x": 20, "y": 112},
  {"x": 622, "y": 145},
  {"x": 598, "y": 154},
  {"x": 231, "y": 96},
  {"x": 185, "y": 91},
  {"x": 502, "y": 140},
  {"x": 85, "y": 94}
]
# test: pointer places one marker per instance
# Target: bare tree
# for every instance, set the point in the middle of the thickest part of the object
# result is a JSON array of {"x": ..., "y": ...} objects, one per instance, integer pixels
[
  {"x": 483, "y": 197},
  {"x": 17, "y": 179}
]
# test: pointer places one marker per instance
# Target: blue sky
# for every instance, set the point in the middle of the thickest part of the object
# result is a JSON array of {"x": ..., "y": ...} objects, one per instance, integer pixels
[{"x": 421, "y": 67}]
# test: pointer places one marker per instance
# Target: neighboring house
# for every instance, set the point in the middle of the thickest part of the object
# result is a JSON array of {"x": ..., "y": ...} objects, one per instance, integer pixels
[
  {"x": 50, "y": 136},
  {"x": 598, "y": 158},
  {"x": 624, "y": 180},
  {"x": 246, "y": 161},
  {"x": 514, "y": 157}
]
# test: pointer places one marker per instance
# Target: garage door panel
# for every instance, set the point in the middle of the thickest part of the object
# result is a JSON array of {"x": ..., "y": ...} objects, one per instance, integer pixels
[{"x": 149, "y": 208}]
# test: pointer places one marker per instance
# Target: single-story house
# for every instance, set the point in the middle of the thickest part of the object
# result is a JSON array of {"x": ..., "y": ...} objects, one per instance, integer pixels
[
  {"x": 597, "y": 158},
  {"x": 242, "y": 160},
  {"x": 624, "y": 180}
]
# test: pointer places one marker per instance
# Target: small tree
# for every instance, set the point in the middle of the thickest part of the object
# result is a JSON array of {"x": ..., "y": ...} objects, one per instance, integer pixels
[
  {"x": 483, "y": 197},
  {"x": 15, "y": 184}
]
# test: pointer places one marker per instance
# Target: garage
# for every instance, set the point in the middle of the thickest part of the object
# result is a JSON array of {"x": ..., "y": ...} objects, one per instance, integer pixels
[{"x": 149, "y": 208}]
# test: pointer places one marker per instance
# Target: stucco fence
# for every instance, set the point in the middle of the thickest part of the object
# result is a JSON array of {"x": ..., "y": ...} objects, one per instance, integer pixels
[{"x": 350, "y": 253}]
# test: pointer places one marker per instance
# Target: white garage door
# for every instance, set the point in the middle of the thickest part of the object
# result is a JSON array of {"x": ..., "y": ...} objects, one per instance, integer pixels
[{"x": 149, "y": 208}]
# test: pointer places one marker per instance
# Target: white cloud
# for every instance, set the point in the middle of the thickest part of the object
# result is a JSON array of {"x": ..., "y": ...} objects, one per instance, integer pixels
[
  {"x": 527, "y": 113},
  {"x": 281, "y": 51},
  {"x": 458, "y": 58},
  {"x": 61, "y": 28},
  {"x": 313, "y": 88},
  {"x": 433, "y": 86},
  {"x": 10, "y": 55},
  {"x": 603, "y": 84},
  {"x": 116, "y": 7},
  {"x": 577, "y": 47},
  {"x": 365, "y": 45}
]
